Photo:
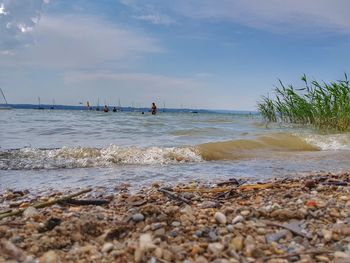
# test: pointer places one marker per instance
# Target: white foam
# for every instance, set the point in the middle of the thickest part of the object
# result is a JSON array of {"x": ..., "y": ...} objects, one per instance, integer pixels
[
  {"x": 328, "y": 142},
  {"x": 66, "y": 157}
]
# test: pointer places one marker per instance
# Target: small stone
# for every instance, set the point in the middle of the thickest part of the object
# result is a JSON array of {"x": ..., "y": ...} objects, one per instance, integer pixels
[
  {"x": 342, "y": 229},
  {"x": 176, "y": 224},
  {"x": 257, "y": 253},
  {"x": 138, "y": 255},
  {"x": 146, "y": 242},
  {"x": 138, "y": 217},
  {"x": 213, "y": 237},
  {"x": 215, "y": 248},
  {"x": 107, "y": 247},
  {"x": 237, "y": 243},
  {"x": 159, "y": 232},
  {"x": 158, "y": 252},
  {"x": 201, "y": 259},
  {"x": 167, "y": 255},
  {"x": 187, "y": 210},
  {"x": 261, "y": 231},
  {"x": 327, "y": 235},
  {"x": 173, "y": 234},
  {"x": 220, "y": 218},
  {"x": 275, "y": 237},
  {"x": 208, "y": 204},
  {"x": 16, "y": 239},
  {"x": 156, "y": 226},
  {"x": 50, "y": 257},
  {"x": 221, "y": 260},
  {"x": 30, "y": 212},
  {"x": 11, "y": 251},
  {"x": 321, "y": 258},
  {"x": 237, "y": 219},
  {"x": 198, "y": 233},
  {"x": 245, "y": 212},
  {"x": 340, "y": 254},
  {"x": 230, "y": 228}
]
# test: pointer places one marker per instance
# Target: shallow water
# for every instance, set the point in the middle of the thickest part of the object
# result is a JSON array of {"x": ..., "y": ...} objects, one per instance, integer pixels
[{"x": 62, "y": 149}]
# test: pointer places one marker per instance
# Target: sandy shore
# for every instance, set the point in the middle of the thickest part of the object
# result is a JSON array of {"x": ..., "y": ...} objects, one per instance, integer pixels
[{"x": 303, "y": 219}]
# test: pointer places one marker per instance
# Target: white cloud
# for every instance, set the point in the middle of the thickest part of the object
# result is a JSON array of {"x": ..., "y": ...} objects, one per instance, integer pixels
[
  {"x": 149, "y": 13},
  {"x": 156, "y": 19},
  {"x": 76, "y": 42},
  {"x": 272, "y": 15},
  {"x": 17, "y": 18},
  {"x": 2, "y": 10}
]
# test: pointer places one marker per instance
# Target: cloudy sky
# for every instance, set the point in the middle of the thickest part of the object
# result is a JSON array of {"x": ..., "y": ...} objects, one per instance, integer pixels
[{"x": 214, "y": 54}]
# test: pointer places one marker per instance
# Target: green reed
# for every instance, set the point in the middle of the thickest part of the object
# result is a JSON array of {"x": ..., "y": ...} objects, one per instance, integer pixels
[{"x": 323, "y": 105}]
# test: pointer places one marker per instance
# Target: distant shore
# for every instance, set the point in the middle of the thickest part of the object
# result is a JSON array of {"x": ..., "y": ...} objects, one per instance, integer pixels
[{"x": 304, "y": 219}]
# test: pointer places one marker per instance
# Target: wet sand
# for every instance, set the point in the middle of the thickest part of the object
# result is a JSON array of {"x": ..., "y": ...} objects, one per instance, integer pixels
[{"x": 304, "y": 219}]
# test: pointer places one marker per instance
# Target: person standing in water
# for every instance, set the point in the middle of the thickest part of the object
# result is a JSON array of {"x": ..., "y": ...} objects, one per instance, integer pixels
[
  {"x": 105, "y": 109},
  {"x": 153, "y": 109}
]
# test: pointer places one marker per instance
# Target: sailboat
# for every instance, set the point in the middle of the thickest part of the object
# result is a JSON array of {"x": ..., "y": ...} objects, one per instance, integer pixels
[
  {"x": 4, "y": 106},
  {"x": 98, "y": 104},
  {"x": 53, "y": 105},
  {"x": 39, "y": 105}
]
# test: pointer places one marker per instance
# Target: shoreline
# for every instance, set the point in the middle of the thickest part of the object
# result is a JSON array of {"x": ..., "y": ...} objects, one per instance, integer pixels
[{"x": 293, "y": 219}]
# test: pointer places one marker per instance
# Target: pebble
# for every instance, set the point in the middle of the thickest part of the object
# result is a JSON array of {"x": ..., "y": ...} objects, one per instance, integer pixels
[
  {"x": 138, "y": 217},
  {"x": 245, "y": 212},
  {"x": 173, "y": 233},
  {"x": 158, "y": 252},
  {"x": 220, "y": 218},
  {"x": 327, "y": 235},
  {"x": 275, "y": 237},
  {"x": 237, "y": 219},
  {"x": 30, "y": 212},
  {"x": 237, "y": 243},
  {"x": 230, "y": 228},
  {"x": 198, "y": 233},
  {"x": 176, "y": 223},
  {"x": 156, "y": 226},
  {"x": 50, "y": 257},
  {"x": 201, "y": 259},
  {"x": 212, "y": 235},
  {"x": 208, "y": 204},
  {"x": 159, "y": 232},
  {"x": 107, "y": 247},
  {"x": 145, "y": 242},
  {"x": 215, "y": 248}
]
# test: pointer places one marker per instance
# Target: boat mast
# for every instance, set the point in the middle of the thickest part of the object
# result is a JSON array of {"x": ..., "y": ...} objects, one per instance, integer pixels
[{"x": 3, "y": 95}]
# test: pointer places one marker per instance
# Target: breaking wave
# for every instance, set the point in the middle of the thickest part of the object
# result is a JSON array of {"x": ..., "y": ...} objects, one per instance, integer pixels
[
  {"x": 82, "y": 157},
  {"x": 29, "y": 158},
  {"x": 238, "y": 149}
]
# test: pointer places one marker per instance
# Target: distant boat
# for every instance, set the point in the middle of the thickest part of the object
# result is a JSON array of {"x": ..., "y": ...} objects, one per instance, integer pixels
[
  {"x": 53, "y": 105},
  {"x": 39, "y": 105},
  {"x": 4, "y": 106},
  {"x": 98, "y": 104}
]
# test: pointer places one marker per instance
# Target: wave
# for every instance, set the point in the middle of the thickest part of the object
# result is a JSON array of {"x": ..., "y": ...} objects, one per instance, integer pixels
[
  {"x": 271, "y": 145},
  {"x": 66, "y": 157},
  {"x": 238, "y": 149},
  {"x": 329, "y": 141}
]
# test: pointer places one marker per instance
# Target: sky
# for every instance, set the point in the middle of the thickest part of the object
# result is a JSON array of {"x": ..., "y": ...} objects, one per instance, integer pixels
[{"x": 201, "y": 54}]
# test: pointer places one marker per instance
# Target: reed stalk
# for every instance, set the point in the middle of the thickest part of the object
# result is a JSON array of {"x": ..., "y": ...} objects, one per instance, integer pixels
[{"x": 323, "y": 105}]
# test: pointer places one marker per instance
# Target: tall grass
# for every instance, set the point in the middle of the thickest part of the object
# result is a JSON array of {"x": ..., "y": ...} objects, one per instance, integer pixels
[{"x": 323, "y": 105}]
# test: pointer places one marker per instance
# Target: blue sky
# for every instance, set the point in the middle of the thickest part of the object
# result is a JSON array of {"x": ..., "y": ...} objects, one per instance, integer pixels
[{"x": 214, "y": 54}]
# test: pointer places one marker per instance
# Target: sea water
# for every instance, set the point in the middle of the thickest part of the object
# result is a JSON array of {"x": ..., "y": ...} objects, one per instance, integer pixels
[{"x": 60, "y": 149}]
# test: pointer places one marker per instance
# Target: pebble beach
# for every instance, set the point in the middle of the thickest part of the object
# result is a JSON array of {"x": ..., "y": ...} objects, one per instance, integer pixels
[{"x": 304, "y": 219}]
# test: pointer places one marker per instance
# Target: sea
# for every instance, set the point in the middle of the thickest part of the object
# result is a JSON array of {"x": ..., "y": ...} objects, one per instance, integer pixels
[{"x": 64, "y": 149}]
